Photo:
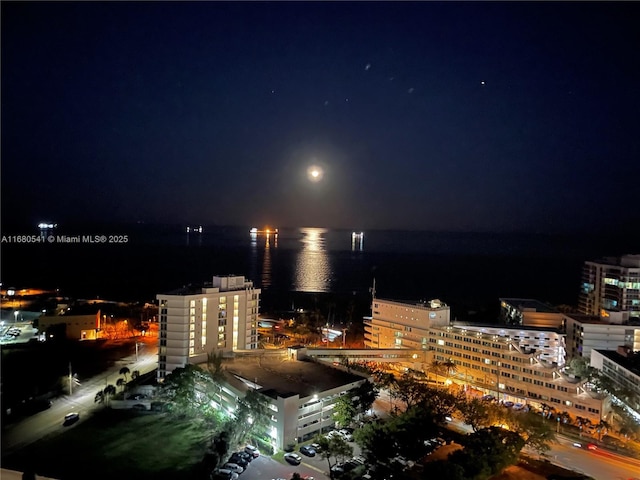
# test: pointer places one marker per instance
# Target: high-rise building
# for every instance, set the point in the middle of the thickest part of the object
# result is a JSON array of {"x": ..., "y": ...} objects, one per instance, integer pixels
[
  {"x": 611, "y": 288},
  {"x": 213, "y": 318}
]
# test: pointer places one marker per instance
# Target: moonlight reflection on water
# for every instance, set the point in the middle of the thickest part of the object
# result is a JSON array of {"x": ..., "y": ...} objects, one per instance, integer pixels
[{"x": 313, "y": 268}]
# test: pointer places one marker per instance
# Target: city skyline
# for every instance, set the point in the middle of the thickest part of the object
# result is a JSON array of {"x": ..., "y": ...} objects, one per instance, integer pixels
[{"x": 420, "y": 116}]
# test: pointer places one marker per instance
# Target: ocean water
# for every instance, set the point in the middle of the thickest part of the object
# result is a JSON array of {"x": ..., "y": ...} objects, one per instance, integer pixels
[{"x": 469, "y": 270}]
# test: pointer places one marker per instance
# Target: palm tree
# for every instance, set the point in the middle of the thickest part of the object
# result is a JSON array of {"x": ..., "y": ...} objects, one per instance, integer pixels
[
  {"x": 124, "y": 371},
  {"x": 108, "y": 391},
  {"x": 121, "y": 383},
  {"x": 450, "y": 367},
  {"x": 437, "y": 366}
]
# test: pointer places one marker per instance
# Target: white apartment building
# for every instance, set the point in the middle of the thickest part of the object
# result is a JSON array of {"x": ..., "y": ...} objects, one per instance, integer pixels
[
  {"x": 518, "y": 365},
  {"x": 196, "y": 320},
  {"x": 403, "y": 325},
  {"x": 586, "y": 333},
  {"x": 515, "y": 363},
  {"x": 301, "y": 393},
  {"x": 623, "y": 367},
  {"x": 611, "y": 288}
]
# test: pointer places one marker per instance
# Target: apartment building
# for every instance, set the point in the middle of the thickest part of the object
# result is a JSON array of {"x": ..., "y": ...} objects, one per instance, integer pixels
[
  {"x": 221, "y": 316},
  {"x": 517, "y": 365},
  {"x": 300, "y": 393},
  {"x": 610, "y": 288},
  {"x": 396, "y": 324},
  {"x": 622, "y": 367},
  {"x": 586, "y": 333}
]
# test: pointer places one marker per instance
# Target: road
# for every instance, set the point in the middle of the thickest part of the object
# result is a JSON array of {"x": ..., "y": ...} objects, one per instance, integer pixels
[
  {"x": 49, "y": 422},
  {"x": 599, "y": 464}
]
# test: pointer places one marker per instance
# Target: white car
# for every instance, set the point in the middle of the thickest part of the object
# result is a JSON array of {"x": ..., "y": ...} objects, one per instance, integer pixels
[
  {"x": 293, "y": 458},
  {"x": 251, "y": 450},
  {"x": 234, "y": 467}
]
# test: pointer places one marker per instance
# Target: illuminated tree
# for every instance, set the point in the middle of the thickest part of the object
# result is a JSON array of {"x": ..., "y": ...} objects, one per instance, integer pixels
[{"x": 344, "y": 410}]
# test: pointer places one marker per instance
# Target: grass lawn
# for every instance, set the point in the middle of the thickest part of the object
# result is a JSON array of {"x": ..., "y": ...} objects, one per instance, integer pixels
[{"x": 118, "y": 444}]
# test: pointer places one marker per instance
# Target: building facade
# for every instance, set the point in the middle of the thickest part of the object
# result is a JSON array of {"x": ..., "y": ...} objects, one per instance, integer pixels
[
  {"x": 622, "y": 367},
  {"x": 517, "y": 363},
  {"x": 301, "y": 394},
  {"x": 74, "y": 327},
  {"x": 588, "y": 332},
  {"x": 396, "y": 324},
  {"x": 219, "y": 317},
  {"x": 610, "y": 288},
  {"x": 529, "y": 312}
]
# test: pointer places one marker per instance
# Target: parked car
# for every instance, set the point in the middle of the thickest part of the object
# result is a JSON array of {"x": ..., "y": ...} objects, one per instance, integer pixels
[
  {"x": 234, "y": 467},
  {"x": 248, "y": 457},
  {"x": 223, "y": 474},
  {"x": 346, "y": 434},
  {"x": 308, "y": 451},
  {"x": 316, "y": 447},
  {"x": 251, "y": 450},
  {"x": 293, "y": 458},
  {"x": 238, "y": 460}
]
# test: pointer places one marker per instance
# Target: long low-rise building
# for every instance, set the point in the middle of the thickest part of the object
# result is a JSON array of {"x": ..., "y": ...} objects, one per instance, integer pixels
[
  {"x": 622, "y": 367},
  {"x": 517, "y": 363},
  {"x": 508, "y": 364},
  {"x": 301, "y": 393}
]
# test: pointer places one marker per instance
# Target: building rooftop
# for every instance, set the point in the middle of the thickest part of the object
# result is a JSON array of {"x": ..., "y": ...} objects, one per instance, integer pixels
[
  {"x": 191, "y": 289},
  {"x": 220, "y": 283},
  {"x": 502, "y": 326},
  {"x": 631, "y": 363},
  {"x": 590, "y": 319},
  {"x": 277, "y": 376},
  {"x": 529, "y": 304},
  {"x": 426, "y": 304}
]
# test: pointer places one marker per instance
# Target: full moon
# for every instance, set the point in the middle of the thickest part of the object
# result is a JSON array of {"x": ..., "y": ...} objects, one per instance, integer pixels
[{"x": 315, "y": 173}]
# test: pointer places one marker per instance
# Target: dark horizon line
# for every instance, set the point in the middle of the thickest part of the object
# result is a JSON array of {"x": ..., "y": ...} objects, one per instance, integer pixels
[{"x": 22, "y": 227}]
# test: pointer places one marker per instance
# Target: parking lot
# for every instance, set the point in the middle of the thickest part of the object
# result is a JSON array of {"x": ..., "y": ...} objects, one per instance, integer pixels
[
  {"x": 266, "y": 468},
  {"x": 16, "y": 333}
]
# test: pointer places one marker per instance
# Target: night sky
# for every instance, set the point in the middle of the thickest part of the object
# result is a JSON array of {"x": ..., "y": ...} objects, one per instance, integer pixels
[{"x": 431, "y": 116}]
